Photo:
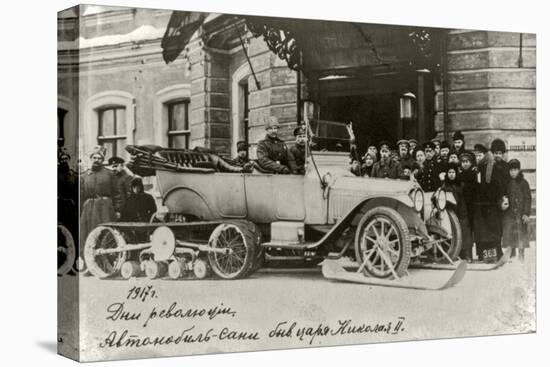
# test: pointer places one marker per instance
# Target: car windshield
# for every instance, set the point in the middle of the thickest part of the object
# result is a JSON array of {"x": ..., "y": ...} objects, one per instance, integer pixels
[{"x": 330, "y": 136}]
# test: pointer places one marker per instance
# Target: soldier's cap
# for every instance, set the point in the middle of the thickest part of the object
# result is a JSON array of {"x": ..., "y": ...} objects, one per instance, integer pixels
[
  {"x": 271, "y": 121},
  {"x": 480, "y": 148},
  {"x": 403, "y": 141},
  {"x": 242, "y": 145},
  {"x": 436, "y": 141},
  {"x": 413, "y": 141},
  {"x": 115, "y": 160},
  {"x": 428, "y": 144},
  {"x": 384, "y": 143},
  {"x": 458, "y": 135},
  {"x": 445, "y": 144},
  {"x": 300, "y": 130}
]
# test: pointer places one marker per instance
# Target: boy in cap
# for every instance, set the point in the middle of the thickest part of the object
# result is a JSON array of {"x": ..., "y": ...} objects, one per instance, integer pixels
[
  {"x": 297, "y": 152},
  {"x": 404, "y": 157},
  {"x": 413, "y": 144},
  {"x": 242, "y": 154},
  {"x": 272, "y": 152},
  {"x": 437, "y": 146},
  {"x": 516, "y": 215},
  {"x": 386, "y": 167}
]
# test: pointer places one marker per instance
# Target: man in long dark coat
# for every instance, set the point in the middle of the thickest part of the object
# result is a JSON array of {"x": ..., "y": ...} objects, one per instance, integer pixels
[
  {"x": 272, "y": 152},
  {"x": 487, "y": 220},
  {"x": 99, "y": 196}
]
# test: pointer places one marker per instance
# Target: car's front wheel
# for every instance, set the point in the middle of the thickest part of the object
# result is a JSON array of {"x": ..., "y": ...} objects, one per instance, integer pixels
[{"x": 382, "y": 243}]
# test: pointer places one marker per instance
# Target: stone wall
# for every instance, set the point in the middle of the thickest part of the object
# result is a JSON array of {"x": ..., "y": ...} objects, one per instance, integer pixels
[{"x": 492, "y": 94}]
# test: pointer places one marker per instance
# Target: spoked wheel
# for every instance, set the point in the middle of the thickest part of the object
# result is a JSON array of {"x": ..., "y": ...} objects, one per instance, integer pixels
[
  {"x": 102, "y": 251},
  {"x": 449, "y": 222},
  {"x": 66, "y": 250},
  {"x": 382, "y": 243},
  {"x": 239, "y": 248}
]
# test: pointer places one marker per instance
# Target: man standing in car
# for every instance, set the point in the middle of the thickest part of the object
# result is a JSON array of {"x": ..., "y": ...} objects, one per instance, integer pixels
[
  {"x": 297, "y": 152},
  {"x": 272, "y": 152}
]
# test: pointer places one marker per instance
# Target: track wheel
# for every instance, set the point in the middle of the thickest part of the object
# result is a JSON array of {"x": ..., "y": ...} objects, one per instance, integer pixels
[
  {"x": 155, "y": 269},
  {"x": 130, "y": 269},
  {"x": 177, "y": 269},
  {"x": 201, "y": 269},
  {"x": 382, "y": 243},
  {"x": 66, "y": 250},
  {"x": 103, "y": 253},
  {"x": 240, "y": 245}
]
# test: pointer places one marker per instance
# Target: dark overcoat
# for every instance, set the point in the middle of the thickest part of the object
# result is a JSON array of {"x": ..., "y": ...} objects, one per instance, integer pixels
[
  {"x": 99, "y": 198},
  {"x": 514, "y": 231},
  {"x": 272, "y": 154}
]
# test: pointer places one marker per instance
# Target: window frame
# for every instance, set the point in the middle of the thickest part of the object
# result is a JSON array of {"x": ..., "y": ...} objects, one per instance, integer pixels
[
  {"x": 172, "y": 134},
  {"x": 113, "y": 139}
]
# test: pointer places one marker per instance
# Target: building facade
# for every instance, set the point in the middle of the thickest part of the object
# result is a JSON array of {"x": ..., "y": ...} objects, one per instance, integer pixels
[{"x": 232, "y": 72}]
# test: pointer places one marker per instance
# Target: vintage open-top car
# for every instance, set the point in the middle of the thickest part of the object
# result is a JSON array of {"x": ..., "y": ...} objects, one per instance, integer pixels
[{"x": 233, "y": 221}]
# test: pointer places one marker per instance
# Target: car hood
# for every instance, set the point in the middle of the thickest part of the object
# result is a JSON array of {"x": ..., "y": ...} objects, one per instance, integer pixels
[{"x": 342, "y": 180}]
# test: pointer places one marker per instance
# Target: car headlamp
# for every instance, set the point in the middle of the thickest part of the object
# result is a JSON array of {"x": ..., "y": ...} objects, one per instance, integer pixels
[
  {"x": 440, "y": 199},
  {"x": 417, "y": 196}
]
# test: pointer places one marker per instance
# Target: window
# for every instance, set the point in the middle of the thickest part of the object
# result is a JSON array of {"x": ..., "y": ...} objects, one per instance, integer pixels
[
  {"x": 178, "y": 124},
  {"x": 112, "y": 129},
  {"x": 61, "y": 113}
]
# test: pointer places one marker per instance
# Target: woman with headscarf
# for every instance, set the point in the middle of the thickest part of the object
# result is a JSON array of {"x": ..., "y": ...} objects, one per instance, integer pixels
[
  {"x": 140, "y": 206},
  {"x": 453, "y": 185}
]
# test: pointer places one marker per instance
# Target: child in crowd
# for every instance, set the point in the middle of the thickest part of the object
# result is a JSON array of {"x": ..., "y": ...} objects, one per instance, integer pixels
[{"x": 517, "y": 210}]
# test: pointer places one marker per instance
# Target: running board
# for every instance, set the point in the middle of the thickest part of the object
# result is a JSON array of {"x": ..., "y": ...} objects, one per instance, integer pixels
[
  {"x": 305, "y": 246},
  {"x": 416, "y": 279}
]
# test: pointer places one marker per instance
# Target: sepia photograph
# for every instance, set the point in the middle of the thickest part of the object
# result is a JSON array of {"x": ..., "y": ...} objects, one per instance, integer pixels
[{"x": 247, "y": 182}]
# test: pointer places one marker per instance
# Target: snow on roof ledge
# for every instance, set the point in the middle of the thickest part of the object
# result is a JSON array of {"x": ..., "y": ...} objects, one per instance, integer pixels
[{"x": 142, "y": 33}]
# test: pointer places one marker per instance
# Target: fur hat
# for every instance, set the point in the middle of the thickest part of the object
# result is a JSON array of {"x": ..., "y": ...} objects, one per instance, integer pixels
[
  {"x": 271, "y": 121},
  {"x": 382, "y": 143},
  {"x": 403, "y": 141},
  {"x": 514, "y": 163},
  {"x": 98, "y": 149},
  {"x": 480, "y": 148},
  {"x": 458, "y": 135},
  {"x": 498, "y": 146},
  {"x": 445, "y": 144}
]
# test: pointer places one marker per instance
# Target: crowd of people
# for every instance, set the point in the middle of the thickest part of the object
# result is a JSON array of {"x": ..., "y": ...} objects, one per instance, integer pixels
[{"x": 493, "y": 198}]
